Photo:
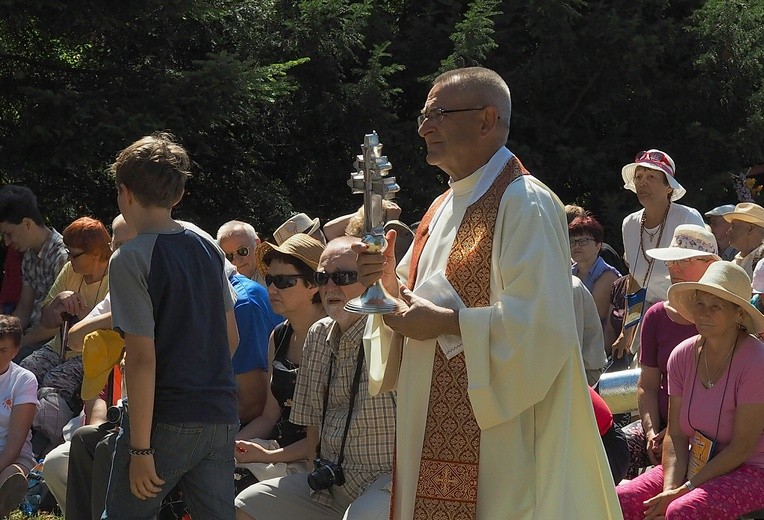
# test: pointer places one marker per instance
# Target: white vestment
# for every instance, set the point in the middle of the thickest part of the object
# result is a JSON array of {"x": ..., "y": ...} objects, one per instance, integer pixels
[{"x": 541, "y": 456}]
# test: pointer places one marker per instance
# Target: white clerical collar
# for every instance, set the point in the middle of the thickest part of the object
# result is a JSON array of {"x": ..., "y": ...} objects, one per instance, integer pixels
[{"x": 481, "y": 179}]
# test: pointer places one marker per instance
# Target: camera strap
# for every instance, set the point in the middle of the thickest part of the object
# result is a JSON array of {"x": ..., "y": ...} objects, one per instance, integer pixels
[{"x": 353, "y": 393}]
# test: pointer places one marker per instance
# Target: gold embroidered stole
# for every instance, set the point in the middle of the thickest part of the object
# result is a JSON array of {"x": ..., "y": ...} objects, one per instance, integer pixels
[{"x": 448, "y": 470}]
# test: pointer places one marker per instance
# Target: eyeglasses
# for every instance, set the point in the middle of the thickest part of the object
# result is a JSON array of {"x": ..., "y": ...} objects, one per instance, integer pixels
[
  {"x": 684, "y": 262},
  {"x": 338, "y": 277},
  {"x": 242, "y": 251},
  {"x": 581, "y": 242},
  {"x": 72, "y": 255},
  {"x": 436, "y": 114},
  {"x": 282, "y": 281}
]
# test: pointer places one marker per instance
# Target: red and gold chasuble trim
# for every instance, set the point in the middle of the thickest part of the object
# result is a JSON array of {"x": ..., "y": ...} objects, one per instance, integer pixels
[{"x": 448, "y": 470}]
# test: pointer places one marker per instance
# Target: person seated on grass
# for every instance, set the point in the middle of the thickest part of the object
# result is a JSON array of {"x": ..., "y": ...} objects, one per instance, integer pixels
[{"x": 18, "y": 402}]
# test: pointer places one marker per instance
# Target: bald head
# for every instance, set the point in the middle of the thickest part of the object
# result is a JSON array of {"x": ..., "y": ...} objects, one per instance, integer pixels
[
  {"x": 121, "y": 232},
  {"x": 479, "y": 87}
]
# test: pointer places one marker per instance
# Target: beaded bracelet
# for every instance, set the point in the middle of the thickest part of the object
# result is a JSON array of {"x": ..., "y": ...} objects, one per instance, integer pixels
[{"x": 147, "y": 451}]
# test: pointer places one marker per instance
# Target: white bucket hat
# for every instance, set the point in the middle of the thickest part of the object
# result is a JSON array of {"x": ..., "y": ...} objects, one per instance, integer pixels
[
  {"x": 724, "y": 280},
  {"x": 689, "y": 241},
  {"x": 655, "y": 160},
  {"x": 719, "y": 211}
]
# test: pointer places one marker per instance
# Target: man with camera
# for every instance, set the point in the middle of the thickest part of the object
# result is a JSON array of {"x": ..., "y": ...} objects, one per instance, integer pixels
[{"x": 353, "y": 432}]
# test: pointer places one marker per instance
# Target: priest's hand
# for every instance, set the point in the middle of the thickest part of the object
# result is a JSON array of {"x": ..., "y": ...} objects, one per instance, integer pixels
[
  {"x": 421, "y": 319},
  {"x": 375, "y": 266}
]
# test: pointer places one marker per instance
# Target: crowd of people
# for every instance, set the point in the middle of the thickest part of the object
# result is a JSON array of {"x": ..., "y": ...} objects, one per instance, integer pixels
[{"x": 159, "y": 367}]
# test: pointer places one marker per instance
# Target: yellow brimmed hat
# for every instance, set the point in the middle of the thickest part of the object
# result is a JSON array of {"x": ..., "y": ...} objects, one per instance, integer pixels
[
  {"x": 747, "y": 212},
  {"x": 301, "y": 246},
  {"x": 101, "y": 350}
]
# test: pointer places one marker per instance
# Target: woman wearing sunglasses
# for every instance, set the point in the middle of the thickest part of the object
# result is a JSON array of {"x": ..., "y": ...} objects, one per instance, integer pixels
[{"x": 270, "y": 445}]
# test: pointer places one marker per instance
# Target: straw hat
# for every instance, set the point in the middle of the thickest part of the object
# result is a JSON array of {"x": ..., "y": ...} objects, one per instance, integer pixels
[
  {"x": 747, "y": 212},
  {"x": 301, "y": 246},
  {"x": 101, "y": 350},
  {"x": 655, "y": 160},
  {"x": 299, "y": 223},
  {"x": 689, "y": 241},
  {"x": 725, "y": 280}
]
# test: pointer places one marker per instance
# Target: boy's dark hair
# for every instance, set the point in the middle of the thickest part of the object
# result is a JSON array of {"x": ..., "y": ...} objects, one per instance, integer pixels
[
  {"x": 18, "y": 203},
  {"x": 154, "y": 168},
  {"x": 10, "y": 327}
]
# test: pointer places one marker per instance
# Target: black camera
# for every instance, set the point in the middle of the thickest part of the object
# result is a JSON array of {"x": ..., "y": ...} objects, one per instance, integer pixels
[
  {"x": 326, "y": 475},
  {"x": 114, "y": 415}
]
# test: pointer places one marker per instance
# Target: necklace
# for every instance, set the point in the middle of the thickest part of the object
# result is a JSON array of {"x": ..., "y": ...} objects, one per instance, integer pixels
[
  {"x": 710, "y": 380},
  {"x": 650, "y": 235},
  {"x": 642, "y": 232}
]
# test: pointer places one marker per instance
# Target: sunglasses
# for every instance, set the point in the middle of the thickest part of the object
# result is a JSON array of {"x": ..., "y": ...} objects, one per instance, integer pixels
[
  {"x": 282, "y": 281},
  {"x": 338, "y": 277},
  {"x": 73, "y": 256},
  {"x": 242, "y": 251}
]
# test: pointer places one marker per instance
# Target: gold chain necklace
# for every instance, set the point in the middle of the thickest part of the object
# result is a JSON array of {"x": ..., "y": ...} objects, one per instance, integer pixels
[{"x": 710, "y": 380}]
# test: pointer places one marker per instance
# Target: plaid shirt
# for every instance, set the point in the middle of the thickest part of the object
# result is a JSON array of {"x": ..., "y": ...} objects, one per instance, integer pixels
[
  {"x": 40, "y": 268},
  {"x": 371, "y": 436}
]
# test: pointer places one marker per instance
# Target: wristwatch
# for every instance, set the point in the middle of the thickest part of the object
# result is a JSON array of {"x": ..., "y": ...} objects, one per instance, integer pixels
[{"x": 689, "y": 485}]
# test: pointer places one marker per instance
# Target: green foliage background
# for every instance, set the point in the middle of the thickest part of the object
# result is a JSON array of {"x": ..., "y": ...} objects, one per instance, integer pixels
[{"x": 272, "y": 98}]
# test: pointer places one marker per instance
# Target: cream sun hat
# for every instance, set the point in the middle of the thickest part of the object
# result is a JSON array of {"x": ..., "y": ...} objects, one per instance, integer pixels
[
  {"x": 724, "y": 280},
  {"x": 689, "y": 241},
  {"x": 747, "y": 212},
  {"x": 299, "y": 223},
  {"x": 655, "y": 160}
]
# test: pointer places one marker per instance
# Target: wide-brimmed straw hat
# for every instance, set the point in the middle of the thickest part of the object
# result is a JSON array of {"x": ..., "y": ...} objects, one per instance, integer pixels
[
  {"x": 747, "y": 212},
  {"x": 301, "y": 246},
  {"x": 724, "y": 280},
  {"x": 655, "y": 160},
  {"x": 689, "y": 241},
  {"x": 299, "y": 223}
]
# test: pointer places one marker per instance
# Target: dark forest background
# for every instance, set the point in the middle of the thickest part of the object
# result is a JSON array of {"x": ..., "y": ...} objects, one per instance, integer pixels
[{"x": 272, "y": 98}]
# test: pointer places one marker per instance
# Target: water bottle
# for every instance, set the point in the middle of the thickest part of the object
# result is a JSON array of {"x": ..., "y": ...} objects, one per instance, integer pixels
[{"x": 31, "y": 504}]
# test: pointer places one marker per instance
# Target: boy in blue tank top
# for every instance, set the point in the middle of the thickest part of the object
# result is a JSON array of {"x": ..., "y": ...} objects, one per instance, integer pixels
[{"x": 173, "y": 304}]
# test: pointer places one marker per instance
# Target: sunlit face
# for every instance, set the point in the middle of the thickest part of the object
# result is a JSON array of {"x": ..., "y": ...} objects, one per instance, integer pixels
[
  {"x": 719, "y": 227},
  {"x": 333, "y": 296},
  {"x": 651, "y": 185},
  {"x": 8, "y": 351},
  {"x": 234, "y": 246},
  {"x": 715, "y": 316},
  {"x": 583, "y": 248},
  {"x": 291, "y": 300},
  {"x": 688, "y": 269},
  {"x": 450, "y": 140},
  {"x": 17, "y": 235},
  {"x": 84, "y": 262},
  {"x": 738, "y": 233}
]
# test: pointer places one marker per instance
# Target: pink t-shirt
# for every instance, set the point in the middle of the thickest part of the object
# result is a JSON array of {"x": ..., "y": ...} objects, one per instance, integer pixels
[
  {"x": 701, "y": 406},
  {"x": 660, "y": 335}
]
